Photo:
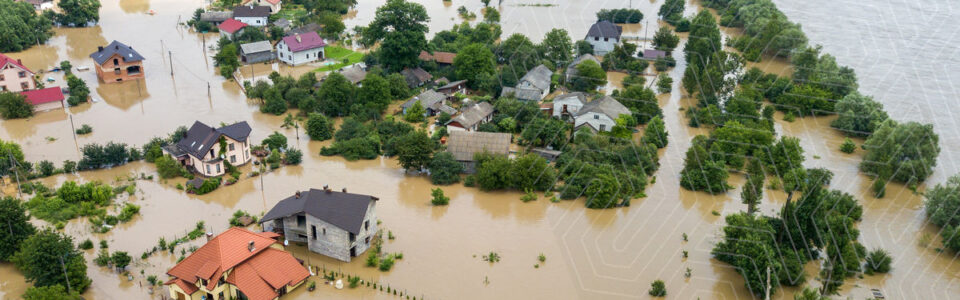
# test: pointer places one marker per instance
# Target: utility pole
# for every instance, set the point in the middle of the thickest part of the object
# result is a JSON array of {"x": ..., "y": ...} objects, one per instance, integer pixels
[
  {"x": 170, "y": 53},
  {"x": 208, "y": 89},
  {"x": 64, "y": 267},
  {"x": 767, "y": 293},
  {"x": 73, "y": 129},
  {"x": 13, "y": 165}
]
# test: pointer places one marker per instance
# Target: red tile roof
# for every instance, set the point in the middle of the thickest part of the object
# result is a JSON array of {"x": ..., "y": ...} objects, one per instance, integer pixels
[
  {"x": 440, "y": 57},
  {"x": 306, "y": 41},
  {"x": 4, "y": 60},
  {"x": 41, "y": 96},
  {"x": 185, "y": 286},
  {"x": 257, "y": 273},
  {"x": 231, "y": 26},
  {"x": 274, "y": 2}
]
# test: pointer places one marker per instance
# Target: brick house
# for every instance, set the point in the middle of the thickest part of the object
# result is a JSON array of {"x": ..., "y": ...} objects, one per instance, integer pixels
[
  {"x": 118, "y": 63},
  {"x": 340, "y": 225},
  {"x": 14, "y": 76},
  {"x": 202, "y": 149}
]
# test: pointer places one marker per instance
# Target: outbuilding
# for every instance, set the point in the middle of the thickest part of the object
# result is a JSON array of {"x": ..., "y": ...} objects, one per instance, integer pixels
[{"x": 256, "y": 52}]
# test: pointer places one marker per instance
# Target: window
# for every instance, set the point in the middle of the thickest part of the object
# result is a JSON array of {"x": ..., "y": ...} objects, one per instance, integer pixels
[
  {"x": 367, "y": 240},
  {"x": 301, "y": 221},
  {"x": 366, "y": 225},
  {"x": 606, "y": 39},
  {"x": 596, "y": 38},
  {"x": 208, "y": 169},
  {"x": 603, "y": 127},
  {"x": 596, "y": 117},
  {"x": 233, "y": 158},
  {"x": 2, "y": 78},
  {"x": 324, "y": 230},
  {"x": 3, "y": 88},
  {"x": 203, "y": 282},
  {"x": 116, "y": 62},
  {"x": 313, "y": 232},
  {"x": 24, "y": 85},
  {"x": 22, "y": 74},
  {"x": 218, "y": 168},
  {"x": 231, "y": 147}
]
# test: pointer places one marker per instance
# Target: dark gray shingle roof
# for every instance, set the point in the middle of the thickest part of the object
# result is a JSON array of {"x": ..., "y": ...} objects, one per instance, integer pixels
[
  {"x": 200, "y": 138},
  {"x": 605, "y": 29},
  {"x": 251, "y": 11},
  {"x": 607, "y": 106},
  {"x": 115, "y": 47},
  {"x": 474, "y": 114},
  {"x": 428, "y": 98},
  {"x": 539, "y": 77},
  {"x": 341, "y": 209}
]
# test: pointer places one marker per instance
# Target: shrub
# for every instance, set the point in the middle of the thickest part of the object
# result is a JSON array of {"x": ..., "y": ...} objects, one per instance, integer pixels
[
  {"x": 658, "y": 289},
  {"x": 275, "y": 141},
  {"x": 372, "y": 260},
  {"x": 103, "y": 258},
  {"x": 14, "y": 106},
  {"x": 86, "y": 245},
  {"x": 167, "y": 167},
  {"x": 293, "y": 157},
  {"x": 848, "y": 146},
  {"x": 877, "y": 261},
  {"x": 319, "y": 128},
  {"x": 386, "y": 263},
  {"x": 444, "y": 169},
  {"x": 439, "y": 198},
  {"x": 84, "y": 129},
  {"x": 46, "y": 168},
  {"x": 69, "y": 166}
]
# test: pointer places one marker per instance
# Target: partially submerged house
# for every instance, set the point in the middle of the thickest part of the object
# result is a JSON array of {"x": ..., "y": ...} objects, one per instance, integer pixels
[
  {"x": 256, "y": 52},
  {"x": 471, "y": 117},
  {"x": 237, "y": 264},
  {"x": 601, "y": 114},
  {"x": 117, "y": 62},
  {"x": 441, "y": 58},
  {"x": 572, "y": 68},
  {"x": 298, "y": 49},
  {"x": 274, "y": 5},
  {"x": 14, "y": 76},
  {"x": 432, "y": 101},
  {"x": 567, "y": 105},
  {"x": 465, "y": 144},
  {"x": 416, "y": 77},
  {"x": 45, "y": 99},
  {"x": 205, "y": 149},
  {"x": 453, "y": 88},
  {"x": 337, "y": 224},
  {"x": 603, "y": 36},
  {"x": 533, "y": 86},
  {"x": 231, "y": 28},
  {"x": 216, "y": 17},
  {"x": 252, "y": 15}
]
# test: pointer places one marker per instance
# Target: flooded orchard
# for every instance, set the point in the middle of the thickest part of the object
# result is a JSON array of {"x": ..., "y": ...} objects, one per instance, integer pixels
[{"x": 590, "y": 254}]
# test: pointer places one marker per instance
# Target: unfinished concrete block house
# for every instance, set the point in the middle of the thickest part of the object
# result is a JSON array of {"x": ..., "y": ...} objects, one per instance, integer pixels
[{"x": 336, "y": 224}]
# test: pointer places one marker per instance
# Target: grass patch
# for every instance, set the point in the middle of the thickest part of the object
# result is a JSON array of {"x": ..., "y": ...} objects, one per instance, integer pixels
[
  {"x": 343, "y": 56},
  {"x": 291, "y": 12}
]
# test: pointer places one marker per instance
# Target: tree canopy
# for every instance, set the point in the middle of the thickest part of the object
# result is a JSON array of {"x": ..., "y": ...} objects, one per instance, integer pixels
[
  {"x": 904, "y": 152},
  {"x": 22, "y": 26},
  {"x": 40, "y": 257},
  {"x": 859, "y": 115},
  {"x": 76, "y": 12},
  {"x": 14, "y": 106},
  {"x": 474, "y": 62},
  {"x": 400, "y": 27}
]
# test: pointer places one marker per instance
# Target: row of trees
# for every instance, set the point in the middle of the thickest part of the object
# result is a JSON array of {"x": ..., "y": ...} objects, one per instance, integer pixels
[{"x": 336, "y": 96}]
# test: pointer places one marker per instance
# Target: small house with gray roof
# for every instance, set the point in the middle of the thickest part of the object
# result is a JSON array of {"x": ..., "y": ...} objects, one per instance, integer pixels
[
  {"x": 432, "y": 101},
  {"x": 216, "y": 17},
  {"x": 256, "y": 52},
  {"x": 337, "y": 224},
  {"x": 533, "y": 86},
  {"x": 568, "y": 105},
  {"x": 252, "y": 15},
  {"x": 355, "y": 73},
  {"x": 471, "y": 117},
  {"x": 205, "y": 149},
  {"x": 601, "y": 114},
  {"x": 465, "y": 144},
  {"x": 603, "y": 36}
]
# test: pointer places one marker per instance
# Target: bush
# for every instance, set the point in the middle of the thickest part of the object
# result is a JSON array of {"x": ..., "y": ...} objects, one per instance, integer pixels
[
  {"x": 445, "y": 169},
  {"x": 658, "y": 289},
  {"x": 439, "y": 198},
  {"x": 69, "y": 166},
  {"x": 84, "y": 129},
  {"x": 275, "y": 141},
  {"x": 902, "y": 152},
  {"x": 293, "y": 157},
  {"x": 319, "y": 128},
  {"x": 86, "y": 245},
  {"x": 386, "y": 263},
  {"x": 14, "y": 106},
  {"x": 877, "y": 261},
  {"x": 848, "y": 146},
  {"x": 46, "y": 168},
  {"x": 167, "y": 167},
  {"x": 621, "y": 15}
]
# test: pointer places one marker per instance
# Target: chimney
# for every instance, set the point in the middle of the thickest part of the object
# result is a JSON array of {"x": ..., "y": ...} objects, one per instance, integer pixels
[
  {"x": 19, "y": 61},
  {"x": 209, "y": 236},
  {"x": 250, "y": 246},
  {"x": 298, "y": 38},
  {"x": 344, "y": 190},
  {"x": 297, "y": 195},
  {"x": 326, "y": 188},
  {"x": 99, "y": 48}
]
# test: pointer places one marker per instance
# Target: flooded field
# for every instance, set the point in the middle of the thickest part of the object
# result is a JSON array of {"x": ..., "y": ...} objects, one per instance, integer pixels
[{"x": 591, "y": 254}]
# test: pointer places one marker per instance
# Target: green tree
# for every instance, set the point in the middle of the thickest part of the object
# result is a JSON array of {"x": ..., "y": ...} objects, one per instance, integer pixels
[
  {"x": 532, "y": 172},
  {"x": 415, "y": 150},
  {"x": 49, "y": 258},
  {"x": 77, "y": 12},
  {"x": 748, "y": 246},
  {"x": 541, "y": 132},
  {"x": 848, "y": 146},
  {"x": 943, "y": 203},
  {"x": 415, "y": 114},
  {"x": 51, "y": 292},
  {"x": 473, "y": 62},
  {"x": 809, "y": 293},
  {"x": 438, "y": 197},
  {"x": 494, "y": 172},
  {"x": 784, "y": 156},
  {"x": 18, "y": 226},
  {"x": 120, "y": 260},
  {"x": 79, "y": 92},
  {"x": 226, "y": 59},
  {"x": 656, "y": 132},
  {"x": 275, "y": 141},
  {"x": 642, "y": 102},
  {"x": 336, "y": 95},
  {"x": 319, "y": 128},
  {"x": 665, "y": 40},
  {"x": 589, "y": 76},
  {"x": 400, "y": 27},
  {"x": 167, "y": 167},
  {"x": 445, "y": 169},
  {"x": 877, "y": 261},
  {"x": 858, "y": 115},
  {"x": 14, "y": 106},
  {"x": 664, "y": 83},
  {"x": 22, "y": 26},
  {"x": 331, "y": 25},
  {"x": 752, "y": 191},
  {"x": 491, "y": 15},
  {"x": 557, "y": 46},
  {"x": 604, "y": 192},
  {"x": 902, "y": 152},
  {"x": 583, "y": 47},
  {"x": 273, "y": 103},
  {"x": 658, "y": 289},
  {"x": 700, "y": 172},
  {"x": 671, "y": 11}
]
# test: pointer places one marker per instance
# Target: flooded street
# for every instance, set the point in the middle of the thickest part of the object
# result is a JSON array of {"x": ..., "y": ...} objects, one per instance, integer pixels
[{"x": 591, "y": 254}]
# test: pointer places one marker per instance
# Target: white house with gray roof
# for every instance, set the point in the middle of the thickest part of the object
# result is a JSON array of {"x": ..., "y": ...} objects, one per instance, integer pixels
[
  {"x": 568, "y": 104},
  {"x": 471, "y": 117},
  {"x": 603, "y": 36},
  {"x": 600, "y": 114},
  {"x": 533, "y": 86},
  {"x": 432, "y": 101}
]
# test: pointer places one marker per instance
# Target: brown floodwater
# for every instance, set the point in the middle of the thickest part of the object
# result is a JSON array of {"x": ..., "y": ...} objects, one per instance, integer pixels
[{"x": 591, "y": 254}]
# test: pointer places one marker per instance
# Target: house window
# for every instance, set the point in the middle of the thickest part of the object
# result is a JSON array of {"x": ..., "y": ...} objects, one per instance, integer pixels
[
  {"x": 596, "y": 38},
  {"x": 24, "y": 85},
  {"x": 367, "y": 240},
  {"x": 603, "y": 127},
  {"x": 301, "y": 221},
  {"x": 22, "y": 74},
  {"x": 218, "y": 168},
  {"x": 3, "y": 88},
  {"x": 324, "y": 230},
  {"x": 596, "y": 117},
  {"x": 203, "y": 282},
  {"x": 231, "y": 146},
  {"x": 2, "y": 78},
  {"x": 116, "y": 62},
  {"x": 208, "y": 169},
  {"x": 606, "y": 39},
  {"x": 366, "y": 225},
  {"x": 313, "y": 232},
  {"x": 233, "y": 158}
]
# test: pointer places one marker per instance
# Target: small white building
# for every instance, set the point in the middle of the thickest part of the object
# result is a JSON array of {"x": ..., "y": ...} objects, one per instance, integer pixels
[
  {"x": 568, "y": 104},
  {"x": 533, "y": 86},
  {"x": 300, "y": 49},
  {"x": 601, "y": 114},
  {"x": 604, "y": 35},
  {"x": 252, "y": 15}
]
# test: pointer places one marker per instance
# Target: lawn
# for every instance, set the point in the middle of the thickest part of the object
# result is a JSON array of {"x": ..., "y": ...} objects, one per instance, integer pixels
[
  {"x": 343, "y": 56},
  {"x": 291, "y": 12}
]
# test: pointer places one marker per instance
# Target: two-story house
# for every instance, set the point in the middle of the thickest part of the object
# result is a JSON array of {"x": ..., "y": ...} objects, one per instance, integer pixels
[
  {"x": 205, "y": 149},
  {"x": 300, "y": 49},
  {"x": 340, "y": 225},
  {"x": 14, "y": 77},
  {"x": 603, "y": 36},
  {"x": 237, "y": 264},
  {"x": 257, "y": 16},
  {"x": 118, "y": 63},
  {"x": 601, "y": 114},
  {"x": 533, "y": 86}
]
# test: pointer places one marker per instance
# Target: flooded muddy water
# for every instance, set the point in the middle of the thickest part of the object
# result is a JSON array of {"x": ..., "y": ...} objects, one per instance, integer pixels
[{"x": 591, "y": 254}]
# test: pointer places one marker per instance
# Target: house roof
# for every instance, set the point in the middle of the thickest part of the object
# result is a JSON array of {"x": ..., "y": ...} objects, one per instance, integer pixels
[
  {"x": 576, "y": 96},
  {"x": 521, "y": 93},
  {"x": 341, "y": 209},
  {"x": 200, "y": 138},
  {"x": 354, "y": 73},
  {"x": 41, "y": 96},
  {"x": 428, "y": 98},
  {"x": 452, "y": 85},
  {"x": 300, "y": 42},
  {"x": 653, "y": 53},
  {"x": 257, "y": 272},
  {"x": 473, "y": 115},
  {"x": 118, "y": 48},
  {"x": 282, "y": 23},
  {"x": 605, "y": 29},
  {"x": 231, "y": 26},
  {"x": 4, "y": 60},
  {"x": 438, "y": 56},
  {"x": 539, "y": 77},
  {"x": 312, "y": 27},
  {"x": 572, "y": 68},
  {"x": 251, "y": 11},
  {"x": 464, "y": 144},
  {"x": 605, "y": 105},
  {"x": 216, "y": 16},
  {"x": 256, "y": 47},
  {"x": 415, "y": 77}
]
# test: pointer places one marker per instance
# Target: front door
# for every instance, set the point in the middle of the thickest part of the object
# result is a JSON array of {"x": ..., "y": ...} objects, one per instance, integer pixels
[{"x": 353, "y": 251}]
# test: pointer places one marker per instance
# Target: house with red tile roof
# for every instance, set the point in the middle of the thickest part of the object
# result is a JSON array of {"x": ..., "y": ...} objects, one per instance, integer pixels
[
  {"x": 230, "y": 28},
  {"x": 237, "y": 264},
  {"x": 45, "y": 99},
  {"x": 15, "y": 77},
  {"x": 298, "y": 49}
]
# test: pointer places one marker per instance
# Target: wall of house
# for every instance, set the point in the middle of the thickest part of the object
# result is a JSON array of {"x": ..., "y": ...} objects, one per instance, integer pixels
[
  {"x": 602, "y": 46},
  {"x": 253, "y": 21},
  {"x": 595, "y": 120},
  {"x": 240, "y": 153},
  {"x": 335, "y": 242},
  {"x": 298, "y": 58},
  {"x": 111, "y": 72},
  {"x": 13, "y": 82},
  {"x": 252, "y": 58},
  {"x": 48, "y": 106}
]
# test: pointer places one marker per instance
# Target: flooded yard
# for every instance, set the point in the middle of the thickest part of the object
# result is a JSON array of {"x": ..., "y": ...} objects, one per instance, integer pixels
[{"x": 590, "y": 254}]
